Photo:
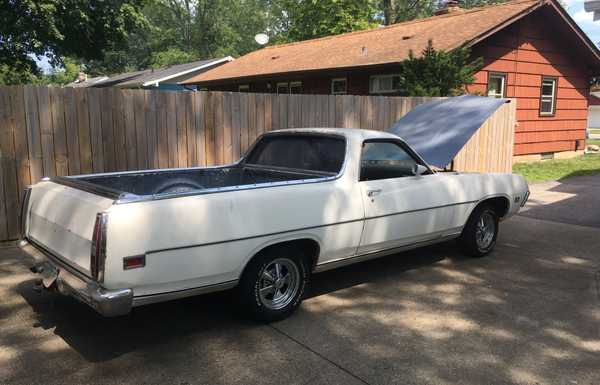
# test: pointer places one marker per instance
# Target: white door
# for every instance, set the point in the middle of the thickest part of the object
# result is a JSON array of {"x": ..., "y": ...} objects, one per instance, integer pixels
[{"x": 400, "y": 208}]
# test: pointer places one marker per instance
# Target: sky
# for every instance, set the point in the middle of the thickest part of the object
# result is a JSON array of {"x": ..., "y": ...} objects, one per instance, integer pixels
[
  {"x": 584, "y": 19},
  {"x": 574, "y": 7}
]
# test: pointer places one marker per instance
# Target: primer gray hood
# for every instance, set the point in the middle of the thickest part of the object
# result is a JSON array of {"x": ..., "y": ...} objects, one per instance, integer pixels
[{"x": 438, "y": 130}]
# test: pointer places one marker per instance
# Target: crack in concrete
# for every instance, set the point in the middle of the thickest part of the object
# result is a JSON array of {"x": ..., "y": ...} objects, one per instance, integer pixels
[{"x": 340, "y": 367}]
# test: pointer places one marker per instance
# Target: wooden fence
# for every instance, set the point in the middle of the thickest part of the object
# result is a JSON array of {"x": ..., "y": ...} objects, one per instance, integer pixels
[{"x": 66, "y": 131}]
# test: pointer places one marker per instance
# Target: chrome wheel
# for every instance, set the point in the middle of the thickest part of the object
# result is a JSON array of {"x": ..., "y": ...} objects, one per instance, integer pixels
[
  {"x": 485, "y": 230},
  {"x": 278, "y": 283}
]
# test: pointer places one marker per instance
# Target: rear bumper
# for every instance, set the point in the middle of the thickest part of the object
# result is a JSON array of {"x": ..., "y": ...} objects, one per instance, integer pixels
[{"x": 109, "y": 303}]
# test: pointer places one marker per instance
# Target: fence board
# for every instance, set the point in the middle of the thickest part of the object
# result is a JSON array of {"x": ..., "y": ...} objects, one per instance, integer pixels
[
  {"x": 8, "y": 182},
  {"x": 120, "y": 148},
  {"x": 107, "y": 133},
  {"x": 17, "y": 108},
  {"x": 70, "y": 131},
  {"x": 151, "y": 131}
]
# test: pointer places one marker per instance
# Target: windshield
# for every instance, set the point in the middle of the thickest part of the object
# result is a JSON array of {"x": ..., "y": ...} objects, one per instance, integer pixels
[{"x": 312, "y": 152}]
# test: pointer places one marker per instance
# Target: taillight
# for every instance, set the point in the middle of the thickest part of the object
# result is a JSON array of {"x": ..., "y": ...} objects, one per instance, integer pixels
[
  {"x": 24, "y": 211},
  {"x": 98, "y": 252}
]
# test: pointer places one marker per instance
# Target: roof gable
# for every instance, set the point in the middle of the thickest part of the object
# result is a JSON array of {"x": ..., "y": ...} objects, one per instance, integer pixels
[{"x": 386, "y": 45}]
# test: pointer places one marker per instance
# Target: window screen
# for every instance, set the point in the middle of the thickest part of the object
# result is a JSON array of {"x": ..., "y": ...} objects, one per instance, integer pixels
[
  {"x": 303, "y": 152},
  {"x": 383, "y": 160}
]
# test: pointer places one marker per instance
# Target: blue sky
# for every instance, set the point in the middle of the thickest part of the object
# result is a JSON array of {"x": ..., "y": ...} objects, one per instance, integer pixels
[{"x": 584, "y": 19}]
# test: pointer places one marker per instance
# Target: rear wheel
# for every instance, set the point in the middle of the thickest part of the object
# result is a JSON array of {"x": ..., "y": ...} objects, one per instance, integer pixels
[
  {"x": 481, "y": 231},
  {"x": 273, "y": 284}
]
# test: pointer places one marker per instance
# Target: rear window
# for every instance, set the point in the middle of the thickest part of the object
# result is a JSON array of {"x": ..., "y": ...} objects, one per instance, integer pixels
[{"x": 303, "y": 152}]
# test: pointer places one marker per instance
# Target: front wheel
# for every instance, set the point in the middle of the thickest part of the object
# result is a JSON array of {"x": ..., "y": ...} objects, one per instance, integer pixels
[
  {"x": 273, "y": 284},
  {"x": 481, "y": 231}
]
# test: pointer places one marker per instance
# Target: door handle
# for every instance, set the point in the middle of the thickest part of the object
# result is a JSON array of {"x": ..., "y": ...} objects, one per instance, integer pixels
[{"x": 372, "y": 193}]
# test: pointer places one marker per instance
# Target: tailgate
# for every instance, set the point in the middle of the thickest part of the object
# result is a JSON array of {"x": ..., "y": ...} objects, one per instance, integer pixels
[{"x": 62, "y": 218}]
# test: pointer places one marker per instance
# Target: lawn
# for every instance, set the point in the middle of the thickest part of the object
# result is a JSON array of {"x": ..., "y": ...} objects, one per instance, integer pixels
[{"x": 560, "y": 168}]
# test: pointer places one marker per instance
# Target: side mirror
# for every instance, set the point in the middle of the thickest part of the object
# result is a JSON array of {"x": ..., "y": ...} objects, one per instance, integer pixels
[{"x": 419, "y": 169}]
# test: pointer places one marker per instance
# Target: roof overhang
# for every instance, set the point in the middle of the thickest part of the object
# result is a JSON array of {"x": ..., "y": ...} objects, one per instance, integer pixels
[{"x": 156, "y": 82}]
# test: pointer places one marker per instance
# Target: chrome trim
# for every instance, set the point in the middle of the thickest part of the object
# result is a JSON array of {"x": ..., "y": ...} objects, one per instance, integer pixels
[
  {"x": 167, "y": 296},
  {"x": 381, "y": 253},
  {"x": 109, "y": 303},
  {"x": 97, "y": 262},
  {"x": 303, "y": 228}
]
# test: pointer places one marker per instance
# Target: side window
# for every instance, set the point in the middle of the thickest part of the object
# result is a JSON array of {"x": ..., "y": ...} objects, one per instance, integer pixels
[{"x": 384, "y": 160}]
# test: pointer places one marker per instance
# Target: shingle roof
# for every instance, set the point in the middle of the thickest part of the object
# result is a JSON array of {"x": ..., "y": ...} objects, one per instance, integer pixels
[
  {"x": 141, "y": 78},
  {"x": 376, "y": 46}
]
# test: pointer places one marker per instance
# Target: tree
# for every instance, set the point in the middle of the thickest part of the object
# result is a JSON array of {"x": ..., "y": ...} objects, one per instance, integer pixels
[
  {"x": 61, "y": 28},
  {"x": 438, "y": 73},
  {"x": 294, "y": 20},
  {"x": 397, "y": 11},
  {"x": 170, "y": 57}
]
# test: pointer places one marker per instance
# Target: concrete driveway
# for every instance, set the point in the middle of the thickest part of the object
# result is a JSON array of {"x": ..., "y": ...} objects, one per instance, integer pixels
[{"x": 527, "y": 314}]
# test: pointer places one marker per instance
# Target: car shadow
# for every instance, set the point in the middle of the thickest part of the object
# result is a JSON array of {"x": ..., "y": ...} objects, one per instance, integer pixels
[{"x": 100, "y": 339}]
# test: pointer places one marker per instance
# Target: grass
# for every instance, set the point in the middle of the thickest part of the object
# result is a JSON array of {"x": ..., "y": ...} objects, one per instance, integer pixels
[
  {"x": 593, "y": 141},
  {"x": 558, "y": 169},
  {"x": 594, "y": 130}
]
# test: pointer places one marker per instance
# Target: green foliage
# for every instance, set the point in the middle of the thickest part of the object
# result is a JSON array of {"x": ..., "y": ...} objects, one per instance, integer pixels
[
  {"x": 170, "y": 57},
  {"x": 438, "y": 73},
  {"x": 396, "y": 11},
  {"x": 60, "y": 28},
  {"x": 61, "y": 76},
  {"x": 295, "y": 20},
  {"x": 558, "y": 169}
]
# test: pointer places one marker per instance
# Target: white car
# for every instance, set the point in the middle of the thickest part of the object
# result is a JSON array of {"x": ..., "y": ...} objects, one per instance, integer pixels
[{"x": 299, "y": 202}]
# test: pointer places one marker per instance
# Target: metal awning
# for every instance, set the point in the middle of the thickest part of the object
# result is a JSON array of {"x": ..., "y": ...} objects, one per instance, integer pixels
[{"x": 438, "y": 130}]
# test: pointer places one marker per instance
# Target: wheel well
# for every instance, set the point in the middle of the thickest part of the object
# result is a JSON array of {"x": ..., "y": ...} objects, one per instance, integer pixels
[
  {"x": 309, "y": 247},
  {"x": 499, "y": 204}
]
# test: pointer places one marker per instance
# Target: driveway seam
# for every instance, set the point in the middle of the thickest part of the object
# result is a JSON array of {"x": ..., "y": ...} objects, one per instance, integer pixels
[{"x": 319, "y": 355}]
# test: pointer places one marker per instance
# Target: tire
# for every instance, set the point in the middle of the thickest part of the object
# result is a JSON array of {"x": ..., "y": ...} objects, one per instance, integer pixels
[
  {"x": 268, "y": 297},
  {"x": 481, "y": 231}
]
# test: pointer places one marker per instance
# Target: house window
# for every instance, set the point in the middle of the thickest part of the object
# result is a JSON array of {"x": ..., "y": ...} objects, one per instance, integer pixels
[
  {"x": 295, "y": 87},
  {"x": 496, "y": 85},
  {"x": 283, "y": 88},
  {"x": 244, "y": 88},
  {"x": 339, "y": 86},
  {"x": 382, "y": 84},
  {"x": 548, "y": 98}
]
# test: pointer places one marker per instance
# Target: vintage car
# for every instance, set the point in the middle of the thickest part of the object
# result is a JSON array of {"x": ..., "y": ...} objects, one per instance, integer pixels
[{"x": 300, "y": 201}]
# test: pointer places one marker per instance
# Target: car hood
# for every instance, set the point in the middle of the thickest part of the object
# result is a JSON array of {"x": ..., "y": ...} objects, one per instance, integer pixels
[{"x": 438, "y": 130}]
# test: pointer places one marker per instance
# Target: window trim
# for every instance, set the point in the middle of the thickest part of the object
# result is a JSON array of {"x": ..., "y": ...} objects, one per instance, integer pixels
[
  {"x": 504, "y": 76},
  {"x": 371, "y": 91},
  {"x": 416, "y": 157},
  {"x": 296, "y": 83},
  {"x": 554, "y": 95},
  {"x": 287, "y": 85},
  {"x": 244, "y": 88},
  {"x": 345, "y": 79}
]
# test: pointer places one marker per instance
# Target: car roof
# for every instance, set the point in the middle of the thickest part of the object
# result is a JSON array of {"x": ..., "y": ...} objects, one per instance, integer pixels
[{"x": 350, "y": 133}]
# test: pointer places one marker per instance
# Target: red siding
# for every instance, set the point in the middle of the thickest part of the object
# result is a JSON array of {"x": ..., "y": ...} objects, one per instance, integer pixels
[{"x": 526, "y": 51}]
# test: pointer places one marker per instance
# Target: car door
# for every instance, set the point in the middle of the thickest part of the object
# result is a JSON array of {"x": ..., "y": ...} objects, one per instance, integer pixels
[{"x": 401, "y": 208}]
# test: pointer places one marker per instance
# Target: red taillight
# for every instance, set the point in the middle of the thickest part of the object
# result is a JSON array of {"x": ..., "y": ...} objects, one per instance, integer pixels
[
  {"x": 98, "y": 252},
  {"x": 134, "y": 262}
]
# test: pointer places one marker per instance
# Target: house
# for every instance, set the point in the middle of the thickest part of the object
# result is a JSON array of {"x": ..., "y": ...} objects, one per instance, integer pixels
[
  {"x": 166, "y": 78},
  {"x": 83, "y": 81},
  {"x": 594, "y": 111},
  {"x": 533, "y": 51}
]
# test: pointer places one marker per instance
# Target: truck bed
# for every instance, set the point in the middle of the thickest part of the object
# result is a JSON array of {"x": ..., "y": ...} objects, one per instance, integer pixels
[{"x": 158, "y": 182}]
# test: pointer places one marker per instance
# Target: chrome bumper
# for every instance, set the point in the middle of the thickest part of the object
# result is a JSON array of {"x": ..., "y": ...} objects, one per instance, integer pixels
[{"x": 68, "y": 281}]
